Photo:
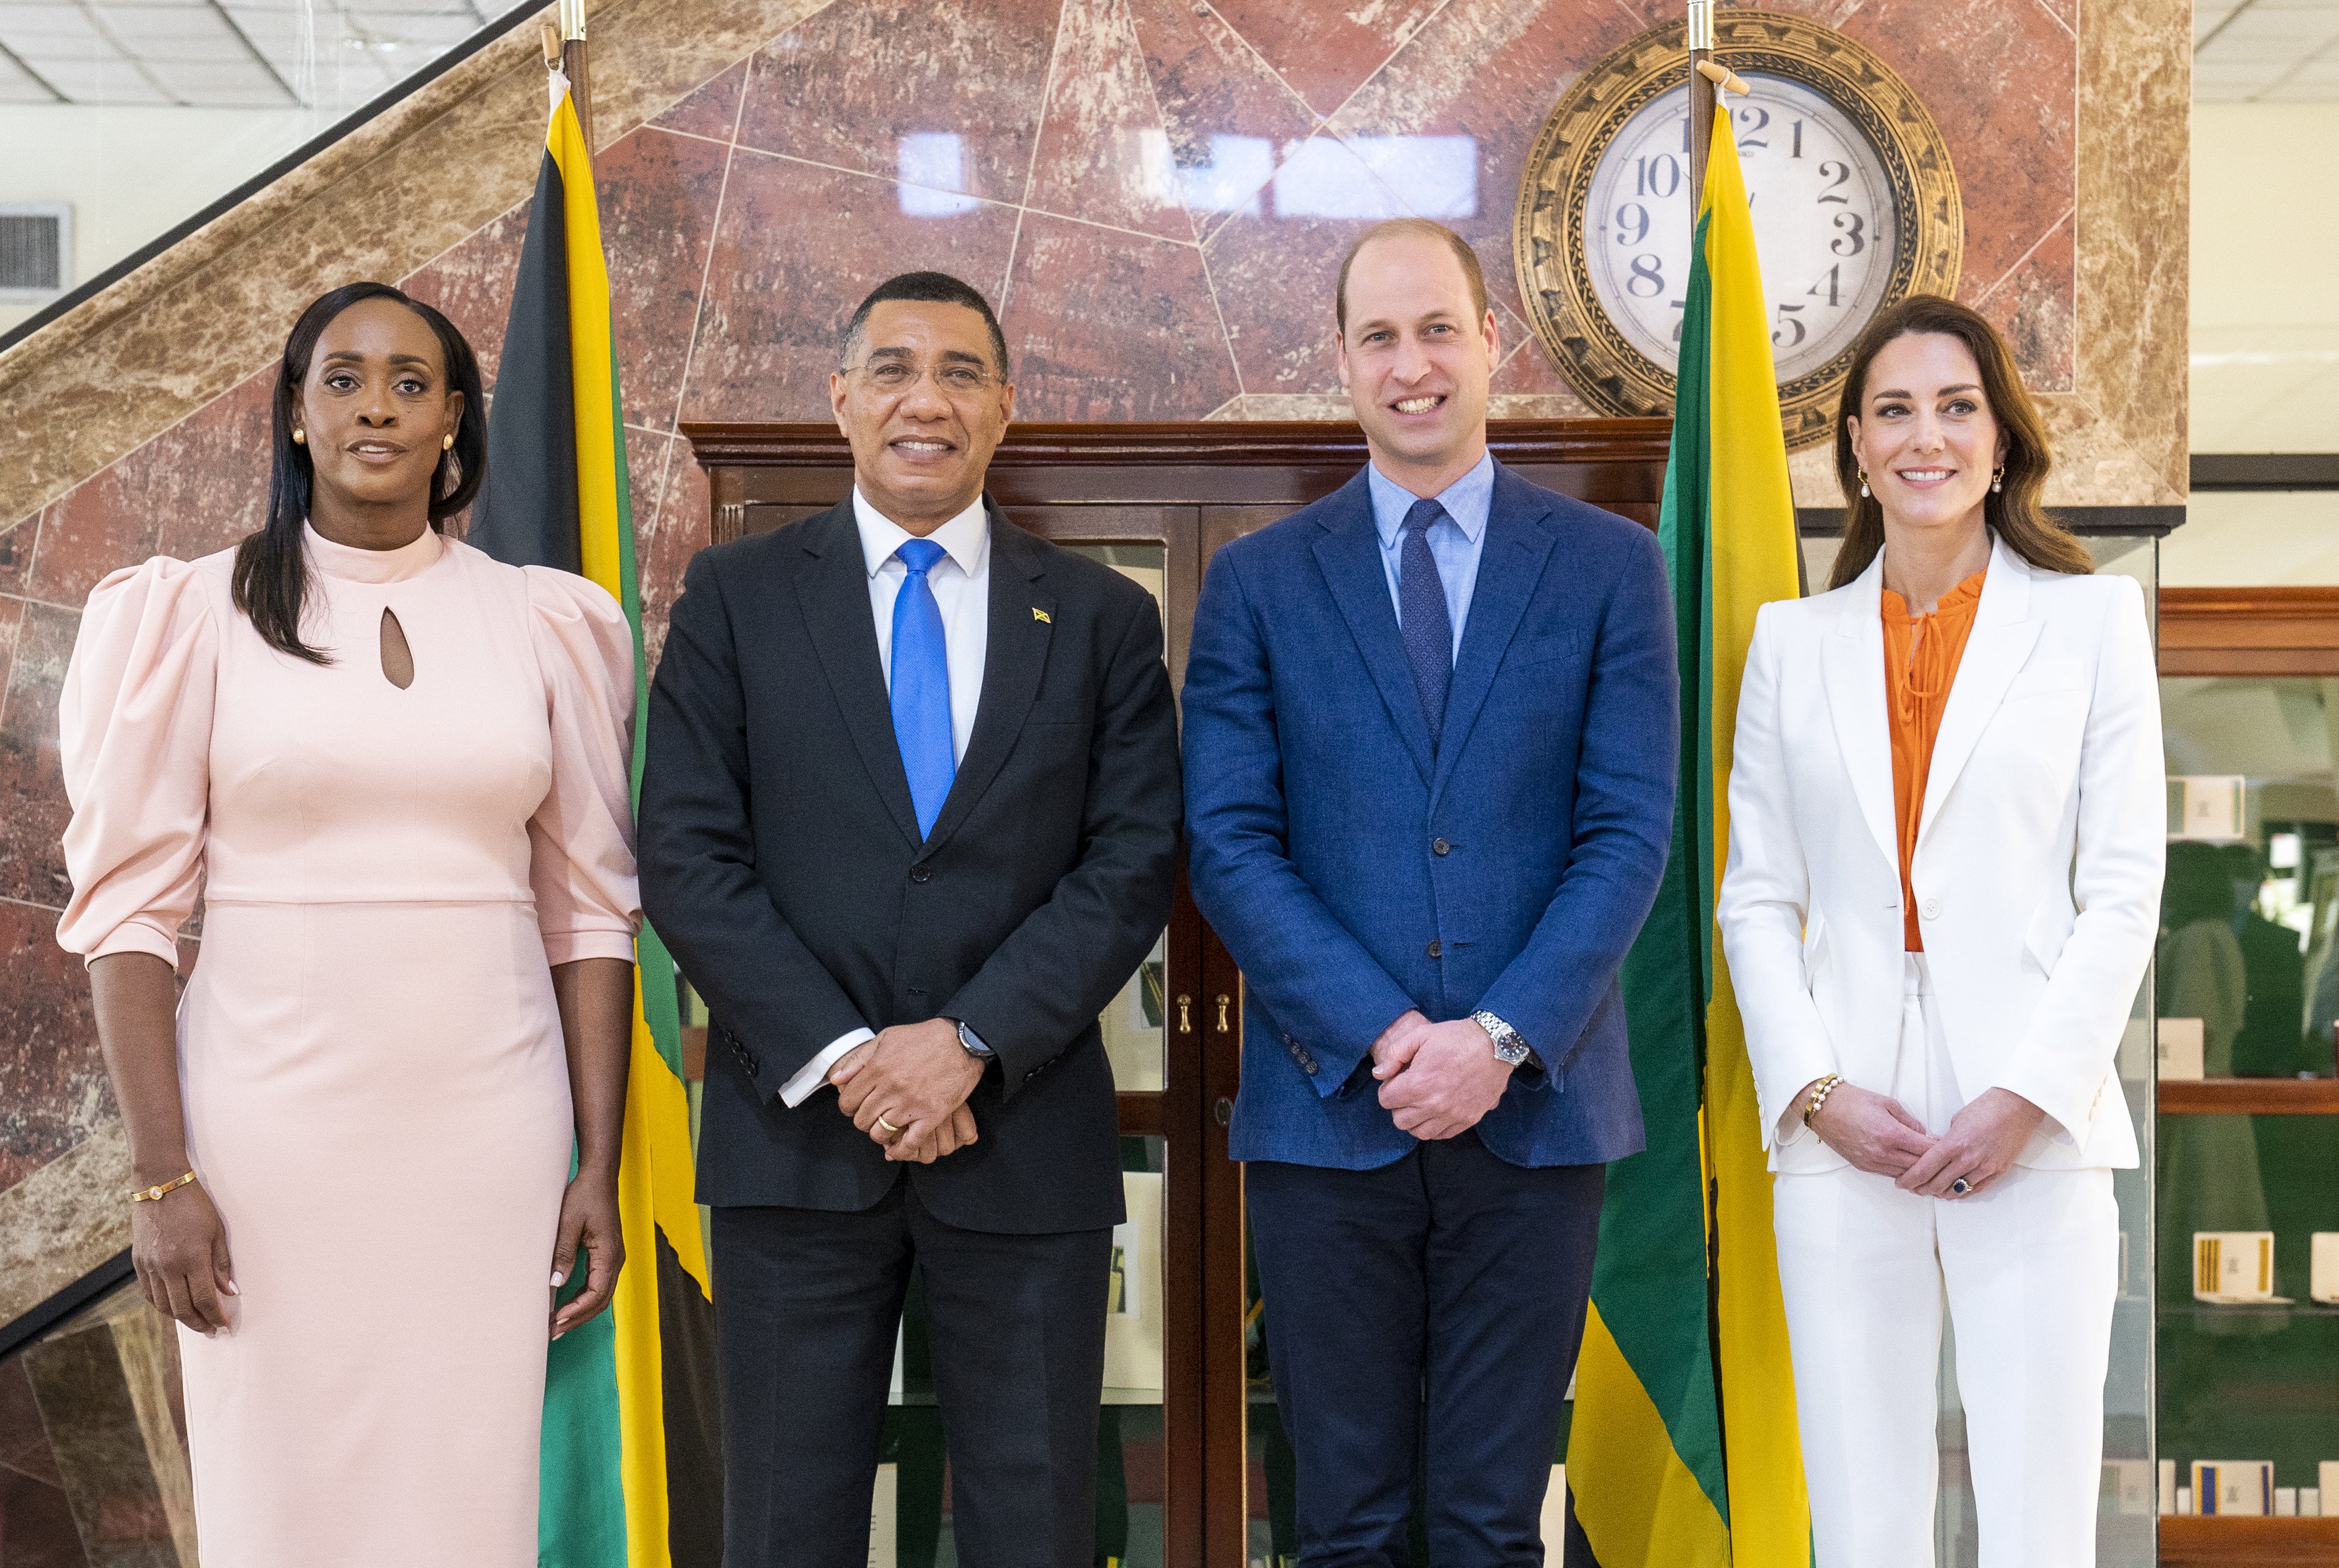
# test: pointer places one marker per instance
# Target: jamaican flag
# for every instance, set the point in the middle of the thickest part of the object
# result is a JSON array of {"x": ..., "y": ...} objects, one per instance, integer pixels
[
  {"x": 630, "y": 1467},
  {"x": 1683, "y": 1451}
]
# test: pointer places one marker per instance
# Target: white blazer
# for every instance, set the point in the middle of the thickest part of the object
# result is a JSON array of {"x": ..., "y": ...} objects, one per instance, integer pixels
[{"x": 2038, "y": 863}]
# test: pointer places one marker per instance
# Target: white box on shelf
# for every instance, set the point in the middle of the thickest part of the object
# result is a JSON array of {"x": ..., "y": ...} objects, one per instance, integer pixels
[
  {"x": 2180, "y": 1050},
  {"x": 2168, "y": 1486},
  {"x": 2233, "y": 1268},
  {"x": 2285, "y": 1502},
  {"x": 2213, "y": 808},
  {"x": 2327, "y": 1482},
  {"x": 2234, "y": 1488},
  {"x": 2310, "y": 1503},
  {"x": 2322, "y": 1267},
  {"x": 2185, "y": 1500}
]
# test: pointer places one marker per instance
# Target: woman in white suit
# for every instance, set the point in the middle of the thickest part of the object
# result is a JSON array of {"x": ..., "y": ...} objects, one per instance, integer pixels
[{"x": 1947, "y": 821}]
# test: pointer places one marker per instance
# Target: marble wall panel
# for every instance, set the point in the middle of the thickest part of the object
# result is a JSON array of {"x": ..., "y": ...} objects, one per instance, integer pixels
[
  {"x": 711, "y": 112},
  {"x": 32, "y": 810},
  {"x": 1084, "y": 303},
  {"x": 1326, "y": 53},
  {"x": 1103, "y": 153},
  {"x": 52, "y": 1087},
  {"x": 63, "y": 1221}
]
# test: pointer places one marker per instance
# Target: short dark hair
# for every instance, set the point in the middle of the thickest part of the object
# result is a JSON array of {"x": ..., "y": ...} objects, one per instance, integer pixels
[
  {"x": 1471, "y": 273},
  {"x": 925, "y": 289}
]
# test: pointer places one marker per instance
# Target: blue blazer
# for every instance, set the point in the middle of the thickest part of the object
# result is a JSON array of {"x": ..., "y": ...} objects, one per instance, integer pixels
[{"x": 1316, "y": 810}]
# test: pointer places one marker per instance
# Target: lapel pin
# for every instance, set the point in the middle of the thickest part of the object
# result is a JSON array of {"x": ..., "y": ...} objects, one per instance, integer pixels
[{"x": 1040, "y": 614}]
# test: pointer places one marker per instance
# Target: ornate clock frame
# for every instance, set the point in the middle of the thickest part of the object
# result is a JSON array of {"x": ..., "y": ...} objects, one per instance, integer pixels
[{"x": 1548, "y": 229}]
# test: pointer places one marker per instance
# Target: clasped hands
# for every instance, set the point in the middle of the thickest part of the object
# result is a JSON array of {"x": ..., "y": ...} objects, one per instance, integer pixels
[
  {"x": 1438, "y": 1079},
  {"x": 907, "y": 1089},
  {"x": 1877, "y": 1135}
]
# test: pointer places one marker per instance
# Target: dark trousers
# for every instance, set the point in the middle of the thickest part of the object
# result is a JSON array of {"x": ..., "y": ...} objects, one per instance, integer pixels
[
  {"x": 807, "y": 1303},
  {"x": 1423, "y": 1318}
]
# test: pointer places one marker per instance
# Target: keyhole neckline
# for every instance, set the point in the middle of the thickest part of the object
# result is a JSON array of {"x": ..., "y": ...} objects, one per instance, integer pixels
[{"x": 396, "y": 650}]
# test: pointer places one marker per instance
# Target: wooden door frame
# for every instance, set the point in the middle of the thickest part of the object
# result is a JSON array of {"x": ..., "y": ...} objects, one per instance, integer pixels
[{"x": 1190, "y": 488}]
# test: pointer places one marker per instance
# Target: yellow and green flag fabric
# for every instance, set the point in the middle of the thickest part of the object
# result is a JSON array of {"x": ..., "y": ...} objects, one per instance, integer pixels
[
  {"x": 1683, "y": 1450},
  {"x": 630, "y": 1468}
]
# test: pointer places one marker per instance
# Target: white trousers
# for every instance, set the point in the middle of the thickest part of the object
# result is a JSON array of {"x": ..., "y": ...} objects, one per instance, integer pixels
[{"x": 2029, "y": 1267}]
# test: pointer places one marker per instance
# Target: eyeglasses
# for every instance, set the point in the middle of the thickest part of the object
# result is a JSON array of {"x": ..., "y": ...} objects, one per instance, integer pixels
[{"x": 954, "y": 378}]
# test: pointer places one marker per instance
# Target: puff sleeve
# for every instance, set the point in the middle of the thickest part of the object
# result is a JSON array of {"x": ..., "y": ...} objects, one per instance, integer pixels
[
  {"x": 134, "y": 731},
  {"x": 581, "y": 838}
]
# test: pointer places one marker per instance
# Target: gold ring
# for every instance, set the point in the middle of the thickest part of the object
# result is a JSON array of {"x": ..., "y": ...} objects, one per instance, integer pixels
[{"x": 885, "y": 1124}]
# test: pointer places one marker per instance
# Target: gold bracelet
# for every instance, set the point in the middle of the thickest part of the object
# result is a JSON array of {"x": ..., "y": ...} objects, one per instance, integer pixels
[
  {"x": 151, "y": 1194},
  {"x": 1827, "y": 1086}
]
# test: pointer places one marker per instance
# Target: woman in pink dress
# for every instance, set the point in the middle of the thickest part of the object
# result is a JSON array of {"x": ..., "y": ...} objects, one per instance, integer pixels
[{"x": 395, "y": 770}]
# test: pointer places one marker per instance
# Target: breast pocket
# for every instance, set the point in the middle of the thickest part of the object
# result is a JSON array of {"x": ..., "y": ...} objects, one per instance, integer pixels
[
  {"x": 1533, "y": 653},
  {"x": 2047, "y": 679}
]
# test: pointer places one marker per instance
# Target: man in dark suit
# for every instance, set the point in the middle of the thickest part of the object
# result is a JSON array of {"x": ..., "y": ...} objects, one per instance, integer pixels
[
  {"x": 910, "y": 822},
  {"x": 1430, "y": 724}
]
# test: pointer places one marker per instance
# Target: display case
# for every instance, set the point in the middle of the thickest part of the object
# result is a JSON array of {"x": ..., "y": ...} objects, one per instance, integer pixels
[{"x": 2248, "y": 1145}]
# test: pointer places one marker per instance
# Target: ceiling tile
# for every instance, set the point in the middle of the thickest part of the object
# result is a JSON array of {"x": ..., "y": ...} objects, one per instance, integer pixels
[{"x": 23, "y": 26}]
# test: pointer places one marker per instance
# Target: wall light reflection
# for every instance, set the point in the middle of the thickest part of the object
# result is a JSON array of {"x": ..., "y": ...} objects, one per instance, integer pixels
[{"x": 932, "y": 168}]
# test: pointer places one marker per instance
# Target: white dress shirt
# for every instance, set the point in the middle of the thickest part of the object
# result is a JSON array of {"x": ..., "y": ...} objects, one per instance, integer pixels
[{"x": 961, "y": 582}]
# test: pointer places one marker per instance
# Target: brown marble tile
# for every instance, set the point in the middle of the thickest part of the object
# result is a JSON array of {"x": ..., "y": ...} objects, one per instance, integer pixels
[
  {"x": 32, "y": 810},
  {"x": 63, "y": 1221},
  {"x": 712, "y": 111},
  {"x": 2096, "y": 465},
  {"x": 92, "y": 1415},
  {"x": 1468, "y": 93},
  {"x": 2033, "y": 306},
  {"x": 52, "y": 1087},
  {"x": 680, "y": 530},
  {"x": 659, "y": 194},
  {"x": 18, "y": 542},
  {"x": 24, "y": 1446},
  {"x": 2135, "y": 176},
  {"x": 1105, "y": 326},
  {"x": 1275, "y": 278},
  {"x": 1325, "y": 51},
  {"x": 1527, "y": 371},
  {"x": 799, "y": 247},
  {"x": 39, "y": 1523},
  {"x": 1103, "y": 153},
  {"x": 2066, "y": 12},
  {"x": 12, "y": 625},
  {"x": 198, "y": 488},
  {"x": 848, "y": 84},
  {"x": 1226, "y": 116}
]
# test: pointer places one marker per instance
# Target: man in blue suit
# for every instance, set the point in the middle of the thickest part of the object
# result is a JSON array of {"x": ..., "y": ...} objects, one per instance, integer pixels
[{"x": 1430, "y": 726}]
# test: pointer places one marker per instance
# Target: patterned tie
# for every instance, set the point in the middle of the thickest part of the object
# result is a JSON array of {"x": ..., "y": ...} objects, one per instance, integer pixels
[
  {"x": 1428, "y": 630},
  {"x": 921, "y": 706}
]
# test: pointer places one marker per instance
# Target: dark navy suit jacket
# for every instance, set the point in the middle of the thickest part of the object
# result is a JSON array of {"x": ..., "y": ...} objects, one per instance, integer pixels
[{"x": 1355, "y": 874}]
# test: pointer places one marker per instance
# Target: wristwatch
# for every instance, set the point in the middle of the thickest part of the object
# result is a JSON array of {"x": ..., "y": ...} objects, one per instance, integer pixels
[
  {"x": 973, "y": 1044},
  {"x": 1511, "y": 1047}
]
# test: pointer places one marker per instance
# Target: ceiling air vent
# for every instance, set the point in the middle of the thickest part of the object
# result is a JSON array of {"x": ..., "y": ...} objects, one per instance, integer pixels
[{"x": 35, "y": 252}]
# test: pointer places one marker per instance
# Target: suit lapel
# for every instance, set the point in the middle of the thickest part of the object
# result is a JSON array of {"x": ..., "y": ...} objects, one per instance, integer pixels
[
  {"x": 1510, "y": 565},
  {"x": 1349, "y": 553},
  {"x": 2002, "y": 637},
  {"x": 1853, "y": 665},
  {"x": 833, "y": 596},
  {"x": 1015, "y": 656}
]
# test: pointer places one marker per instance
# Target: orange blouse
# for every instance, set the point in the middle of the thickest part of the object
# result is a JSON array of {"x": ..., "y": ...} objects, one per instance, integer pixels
[{"x": 1916, "y": 690}]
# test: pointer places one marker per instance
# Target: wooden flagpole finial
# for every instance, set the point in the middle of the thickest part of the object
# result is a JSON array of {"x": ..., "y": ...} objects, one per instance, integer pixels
[
  {"x": 1722, "y": 76},
  {"x": 551, "y": 36}
]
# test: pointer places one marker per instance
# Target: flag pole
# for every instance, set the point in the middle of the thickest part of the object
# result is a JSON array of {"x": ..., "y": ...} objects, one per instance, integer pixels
[
  {"x": 1701, "y": 100},
  {"x": 574, "y": 64}
]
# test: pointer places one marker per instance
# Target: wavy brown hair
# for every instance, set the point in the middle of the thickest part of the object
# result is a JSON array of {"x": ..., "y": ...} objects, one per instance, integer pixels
[{"x": 2015, "y": 513}]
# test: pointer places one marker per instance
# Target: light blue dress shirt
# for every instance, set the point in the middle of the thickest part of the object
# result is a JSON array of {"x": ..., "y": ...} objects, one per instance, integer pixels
[{"x": 1455, "y": 540}]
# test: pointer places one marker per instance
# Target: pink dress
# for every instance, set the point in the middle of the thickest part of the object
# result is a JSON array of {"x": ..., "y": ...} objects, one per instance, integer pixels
[{"x": 376, "y": 1088}]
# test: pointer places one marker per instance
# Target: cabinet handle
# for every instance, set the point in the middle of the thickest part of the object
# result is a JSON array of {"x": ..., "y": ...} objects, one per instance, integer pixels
[
  {"x": 1223, "y": 1112},
  {"x": 1223, "y": 1000},
  {"x": 1185, "y": 1015}
]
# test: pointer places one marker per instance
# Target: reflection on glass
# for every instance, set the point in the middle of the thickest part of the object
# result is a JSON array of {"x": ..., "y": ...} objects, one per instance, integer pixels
[
  {"x": 932, "y": 167},
  {"x": 1376, "y": 177},
  {"x": 93, "y": 1442},
  {"x": 2249, "y": 920},
  {"x": 911, "y": 1516}
]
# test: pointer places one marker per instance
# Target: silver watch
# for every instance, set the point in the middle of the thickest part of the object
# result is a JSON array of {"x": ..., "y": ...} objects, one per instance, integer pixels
[
  {"x": 1511, "y": 1047},
  {"x": 971, "y": 1043}
]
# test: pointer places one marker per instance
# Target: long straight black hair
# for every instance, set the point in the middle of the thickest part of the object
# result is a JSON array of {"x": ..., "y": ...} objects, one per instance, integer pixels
[{"x": 272, "y": 579}]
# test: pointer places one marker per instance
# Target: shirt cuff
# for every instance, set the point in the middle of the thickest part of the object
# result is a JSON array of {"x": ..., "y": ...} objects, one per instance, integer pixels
[{"x": 814, "y": 1074}]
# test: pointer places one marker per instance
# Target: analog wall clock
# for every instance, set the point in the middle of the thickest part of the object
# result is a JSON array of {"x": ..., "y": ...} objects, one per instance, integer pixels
[{"x": 1855, "y": 207}]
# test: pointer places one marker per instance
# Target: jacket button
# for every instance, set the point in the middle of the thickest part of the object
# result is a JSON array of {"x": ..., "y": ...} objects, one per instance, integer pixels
[
  {"x": 1931, "y": 909},
  {"x": 921, "y": 873},
  {"x": 1439, "y": 846},
  {"x": 1437, "y": 950}
]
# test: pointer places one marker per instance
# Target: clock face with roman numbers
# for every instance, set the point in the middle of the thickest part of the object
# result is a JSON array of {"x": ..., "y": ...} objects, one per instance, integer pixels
[
  {"x": 1824, "y": 223},
  {"x": 1854, "y": 203}
]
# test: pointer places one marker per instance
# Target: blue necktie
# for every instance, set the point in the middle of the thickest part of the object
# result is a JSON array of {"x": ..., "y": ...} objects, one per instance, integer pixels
[
  {"x": 1428, "y": 629},
  {"x": 921, "y": 706}
]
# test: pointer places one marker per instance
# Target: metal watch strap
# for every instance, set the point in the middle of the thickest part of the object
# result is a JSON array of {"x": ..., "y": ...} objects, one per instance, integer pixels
[{"x": 1510, "y": 1046}]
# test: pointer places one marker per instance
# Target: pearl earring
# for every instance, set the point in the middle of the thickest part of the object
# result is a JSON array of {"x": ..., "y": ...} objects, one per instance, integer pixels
[
  {"x": 1863, "y": 482},
  {"x": 447, "y": 443},
  {"x": 300, "y": 437},
  {"x": 1998, "y": 479}
]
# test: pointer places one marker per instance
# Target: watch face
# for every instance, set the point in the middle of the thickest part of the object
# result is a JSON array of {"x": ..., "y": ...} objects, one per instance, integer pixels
[{"x": 1823, "y": 221}]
